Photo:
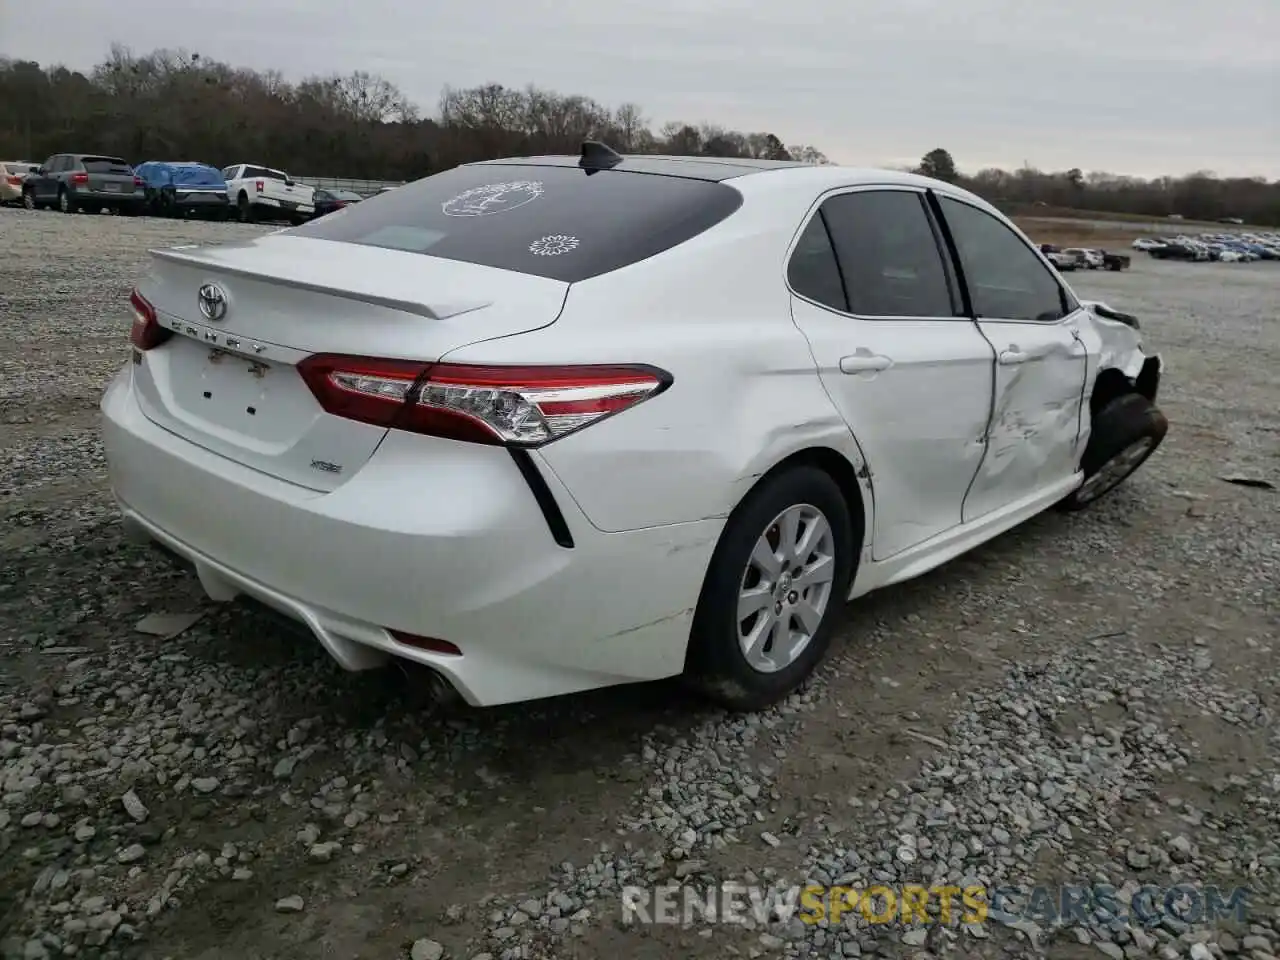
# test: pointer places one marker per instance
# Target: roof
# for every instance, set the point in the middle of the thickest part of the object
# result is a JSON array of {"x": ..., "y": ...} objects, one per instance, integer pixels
[
  {"x": 693, "y": 168},
  {"x": 717, "y": 169}
]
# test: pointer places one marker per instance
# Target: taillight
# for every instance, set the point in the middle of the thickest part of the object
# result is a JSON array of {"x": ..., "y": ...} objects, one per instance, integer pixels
[
  {"x": 13, "y": 181},
  {"x": 137, "y": 182},
  {"x": 259, "y": 186},
  {"x": 146, "y": 331},
  {"x": 80, "y": 178},
  {"x": 523, "y": 406}
]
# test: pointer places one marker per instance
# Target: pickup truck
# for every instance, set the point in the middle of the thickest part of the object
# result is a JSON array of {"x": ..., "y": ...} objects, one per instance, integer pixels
[
  {"x": 1115, "y": 261},
  {"x": 263, "y": 193}
]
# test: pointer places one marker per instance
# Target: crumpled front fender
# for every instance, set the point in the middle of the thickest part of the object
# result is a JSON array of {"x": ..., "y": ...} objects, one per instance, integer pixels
[{"x": 1118, "y": 339}]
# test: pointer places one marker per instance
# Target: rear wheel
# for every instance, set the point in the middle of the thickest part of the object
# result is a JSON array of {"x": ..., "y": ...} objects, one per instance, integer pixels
[
  {"x": 1125, "y": 433},
  {"x": 244, "y": 208},
  {"x": 775, "y": 582},
  {"x": 65, "y": 203}
]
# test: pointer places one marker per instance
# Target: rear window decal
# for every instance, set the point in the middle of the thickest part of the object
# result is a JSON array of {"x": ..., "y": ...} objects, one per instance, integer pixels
[
  {"x": 492, "y": 198},
  {"x": 553, "y": 245}
]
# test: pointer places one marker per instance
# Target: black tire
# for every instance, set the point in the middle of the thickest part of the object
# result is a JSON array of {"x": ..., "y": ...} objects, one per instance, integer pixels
[
  {"x": 716, "y": 663},
  {"x": 244, "y": 208},
  {"x": 65, "y": 203},
  {"x": 1130, "y": 426},
  {"x": 29, "y": 200}
]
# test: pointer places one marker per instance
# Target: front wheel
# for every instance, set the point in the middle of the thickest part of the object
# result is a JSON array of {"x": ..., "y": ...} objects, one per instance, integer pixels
[
  {"x": 29, "y": 199},
  {"x": 244, "y": 209},
  {"x": 65, "y": 203},
  {"x": 1125, "y": 433},
  {"x": 776, "y": 580}
]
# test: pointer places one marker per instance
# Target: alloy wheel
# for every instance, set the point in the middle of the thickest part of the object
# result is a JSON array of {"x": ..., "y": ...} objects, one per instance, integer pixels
[{"x": 786, "y": 588}]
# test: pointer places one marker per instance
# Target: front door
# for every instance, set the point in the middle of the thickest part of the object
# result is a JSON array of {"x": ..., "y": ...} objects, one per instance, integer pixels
[
  {"x": 1030, "y": 320},
  {"x": 881, "y": 309},
  {"x": 45, "y": 184}
]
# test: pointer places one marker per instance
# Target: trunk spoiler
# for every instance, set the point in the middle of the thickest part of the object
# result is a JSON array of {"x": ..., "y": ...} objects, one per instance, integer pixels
[{"x": 176, "y": 255}]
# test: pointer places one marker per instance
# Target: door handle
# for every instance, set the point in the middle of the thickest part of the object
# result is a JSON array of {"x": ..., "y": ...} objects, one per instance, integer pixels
[
  {"x": 864, "y": 361},
  {"x": 1014, "y": 355}
]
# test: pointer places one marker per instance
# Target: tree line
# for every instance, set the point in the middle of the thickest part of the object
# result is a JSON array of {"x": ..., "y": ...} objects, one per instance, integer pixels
[
  {"x": 180, "y": 106},
  {"x": 172, "y": 104}
]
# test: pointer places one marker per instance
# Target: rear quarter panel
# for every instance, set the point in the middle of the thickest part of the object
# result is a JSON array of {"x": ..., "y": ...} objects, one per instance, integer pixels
[{"x": 715, "y": 314}]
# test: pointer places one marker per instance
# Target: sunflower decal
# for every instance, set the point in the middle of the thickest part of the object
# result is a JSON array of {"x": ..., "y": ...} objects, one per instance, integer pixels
[{"x": 553, "y": 245}]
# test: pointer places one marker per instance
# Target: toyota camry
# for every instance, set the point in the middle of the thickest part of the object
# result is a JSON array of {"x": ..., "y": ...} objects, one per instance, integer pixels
[{"x": 555, "y": 423}]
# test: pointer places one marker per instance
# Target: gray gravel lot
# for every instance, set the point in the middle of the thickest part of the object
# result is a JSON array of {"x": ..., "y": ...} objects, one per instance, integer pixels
[{"x": 1089, "y": 699}]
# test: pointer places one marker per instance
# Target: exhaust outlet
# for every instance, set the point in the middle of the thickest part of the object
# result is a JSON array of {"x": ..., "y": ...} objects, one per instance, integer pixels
[
  {"x": 442, "y": 691},
  {"x": 434, "y": 684}
]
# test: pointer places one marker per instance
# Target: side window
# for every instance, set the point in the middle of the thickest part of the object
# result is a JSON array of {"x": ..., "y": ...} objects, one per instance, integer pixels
[
  {"x": 1006, "y": 280},
  {"x": 68, "y": 163},
  {"x": 229, "y": 173},
  {"x": 889, "y": 255},
  {"x": 813, "y": 271},
  {"x": 51, "y": 164}
]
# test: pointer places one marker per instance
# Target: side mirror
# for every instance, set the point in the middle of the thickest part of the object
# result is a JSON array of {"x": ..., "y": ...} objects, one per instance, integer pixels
[{"x": 39, "y": 171}]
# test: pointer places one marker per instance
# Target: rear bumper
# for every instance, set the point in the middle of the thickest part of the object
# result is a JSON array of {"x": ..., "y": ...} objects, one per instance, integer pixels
[
  {"x": 137, "y": 198},
  {"x": 431, "y": 538},
  {"x": 200, "y": 199},
  {"x": 302, "y": 209}
]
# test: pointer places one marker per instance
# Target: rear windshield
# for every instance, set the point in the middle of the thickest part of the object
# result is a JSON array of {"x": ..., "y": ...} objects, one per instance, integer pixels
[
  {"x": 555, "y": 222},
  {"x": 264, "y": 172},
  {"x": 17, "y": 168},
  {"x": 105, "y": 165}
]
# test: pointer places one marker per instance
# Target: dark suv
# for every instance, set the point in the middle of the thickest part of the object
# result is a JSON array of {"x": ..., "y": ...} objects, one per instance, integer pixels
[{"x": 84, "y": 181}]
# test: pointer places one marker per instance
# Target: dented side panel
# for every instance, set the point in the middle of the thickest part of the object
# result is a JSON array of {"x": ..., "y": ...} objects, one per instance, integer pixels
[
  {"x": 1036, "y": 419},
  {"x": 916, "y": 393}
]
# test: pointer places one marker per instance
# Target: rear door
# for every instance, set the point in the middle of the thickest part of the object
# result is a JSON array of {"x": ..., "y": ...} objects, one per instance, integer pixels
[
  {"x": 108, "y": 175},
  {"x": 878, "y": 302},
  {"x": 1032, "y": 323}
]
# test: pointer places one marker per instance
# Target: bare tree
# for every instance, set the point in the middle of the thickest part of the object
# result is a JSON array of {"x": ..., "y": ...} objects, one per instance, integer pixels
[{"x": 179, "y": 104}]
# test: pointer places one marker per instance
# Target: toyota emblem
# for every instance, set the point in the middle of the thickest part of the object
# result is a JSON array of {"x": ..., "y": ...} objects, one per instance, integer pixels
[{"x": 213, "y": 301}]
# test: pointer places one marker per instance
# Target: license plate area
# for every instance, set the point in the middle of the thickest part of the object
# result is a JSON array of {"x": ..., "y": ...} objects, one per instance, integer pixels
[
  {"x": 112, "y": 187},
  {"x": 249, "y": 401}
]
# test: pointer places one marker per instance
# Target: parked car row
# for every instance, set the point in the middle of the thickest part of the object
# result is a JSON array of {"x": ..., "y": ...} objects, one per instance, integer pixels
[
  {"x": 1221, "y": 247},
  {"x": 1083, "y": 258},
  {"x": 72, "y": 182}
]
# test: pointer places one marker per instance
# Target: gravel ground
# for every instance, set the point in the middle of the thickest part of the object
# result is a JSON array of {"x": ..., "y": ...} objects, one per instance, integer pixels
[{"x": 1088, "y": 699}]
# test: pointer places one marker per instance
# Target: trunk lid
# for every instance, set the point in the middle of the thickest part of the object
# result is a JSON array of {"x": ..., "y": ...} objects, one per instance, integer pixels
[
  {"x": 108, "y": 175},
  {"x": 230, "y": 383},
  {"x": 279, "y": 189}
]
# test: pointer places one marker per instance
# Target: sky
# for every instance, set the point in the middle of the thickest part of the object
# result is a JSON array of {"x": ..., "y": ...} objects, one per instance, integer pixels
[{"x": 1140, "y": 87}]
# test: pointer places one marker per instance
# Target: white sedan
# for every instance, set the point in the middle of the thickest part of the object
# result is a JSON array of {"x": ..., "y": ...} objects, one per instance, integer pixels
[{"x": 556, "y": 423}]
